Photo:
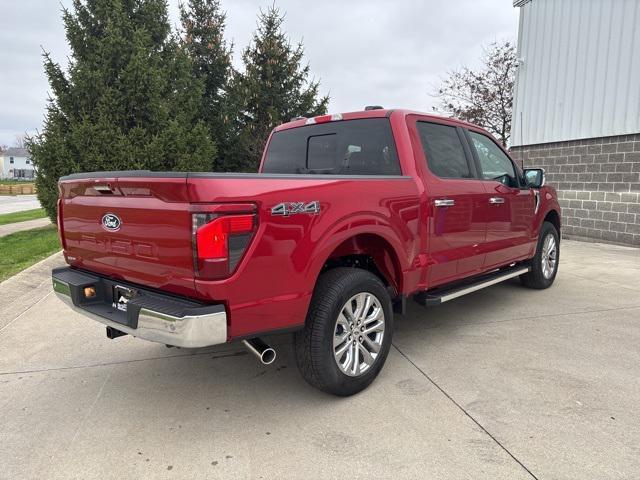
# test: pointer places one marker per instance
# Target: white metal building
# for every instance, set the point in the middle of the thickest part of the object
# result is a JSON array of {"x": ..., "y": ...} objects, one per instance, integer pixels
[
  {"x": 579, "y": 70},
  {"x": 16, "y": 164},
  {"x": 576, "y": 110}
]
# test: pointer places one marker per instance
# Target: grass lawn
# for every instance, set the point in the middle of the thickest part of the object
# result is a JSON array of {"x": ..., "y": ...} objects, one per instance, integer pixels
[
  {"x": 22, "y": 249},
  {"x": 22, "y": 216}
]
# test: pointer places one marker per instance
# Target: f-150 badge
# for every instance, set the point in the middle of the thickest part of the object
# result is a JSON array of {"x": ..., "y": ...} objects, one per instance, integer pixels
[{"x": 292, "y": 208}]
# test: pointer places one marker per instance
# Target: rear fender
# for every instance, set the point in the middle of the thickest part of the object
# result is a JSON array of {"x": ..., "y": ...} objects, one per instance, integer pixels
[{"x": 349, "y": 236}]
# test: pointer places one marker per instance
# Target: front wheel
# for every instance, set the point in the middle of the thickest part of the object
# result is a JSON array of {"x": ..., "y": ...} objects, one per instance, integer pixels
[
  {"x": 544, "y": 265},
  {"x": 347, "y": 334}
]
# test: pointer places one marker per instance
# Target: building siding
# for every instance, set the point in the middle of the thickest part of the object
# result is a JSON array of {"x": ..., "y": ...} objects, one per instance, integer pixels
[
  {"x": 22, "y": 163},
  {"x": 579, "y": 71},
  {"x": 598, "y": 183},
  {"x": 19, "y": 163}
]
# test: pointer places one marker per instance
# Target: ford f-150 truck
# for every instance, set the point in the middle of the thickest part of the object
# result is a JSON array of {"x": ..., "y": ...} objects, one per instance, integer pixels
[{"x": 349, "y": 216}]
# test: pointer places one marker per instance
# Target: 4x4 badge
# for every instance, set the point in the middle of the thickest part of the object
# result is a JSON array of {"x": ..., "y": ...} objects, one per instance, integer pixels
[{"x": 291, "y": 208}]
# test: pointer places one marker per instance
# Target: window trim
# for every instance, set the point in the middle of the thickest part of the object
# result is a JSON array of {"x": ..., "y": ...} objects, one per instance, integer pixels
[
  {"x": 465, "y": 148},
  {"x": 478, "y": 164}
]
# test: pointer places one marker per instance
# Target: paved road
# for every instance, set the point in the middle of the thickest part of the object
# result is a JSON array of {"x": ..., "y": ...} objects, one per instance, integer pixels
[
  {"x": 506, "y": 383},
  {"x": 10, "y": 228},
  {"x": 18, "y": 203}
]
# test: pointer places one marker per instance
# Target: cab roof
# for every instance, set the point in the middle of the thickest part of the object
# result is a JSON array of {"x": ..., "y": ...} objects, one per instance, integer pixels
[{"x": 377, "y": 113}]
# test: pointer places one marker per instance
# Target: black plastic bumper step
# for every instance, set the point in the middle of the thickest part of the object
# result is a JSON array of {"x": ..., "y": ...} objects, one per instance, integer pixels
[{"x": 103, "y": 302}]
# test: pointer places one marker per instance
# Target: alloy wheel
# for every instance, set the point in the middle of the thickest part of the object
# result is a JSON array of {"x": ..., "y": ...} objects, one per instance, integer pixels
[
  {"x": 358, "y": 334},
  {"x": 549, "y": 256}
]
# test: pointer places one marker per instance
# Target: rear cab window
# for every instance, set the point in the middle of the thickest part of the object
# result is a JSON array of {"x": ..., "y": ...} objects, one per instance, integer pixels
[{"x": 347, "y": 147}]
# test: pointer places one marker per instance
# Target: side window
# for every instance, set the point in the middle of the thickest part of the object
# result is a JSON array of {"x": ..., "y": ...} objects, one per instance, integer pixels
[
  {"x": 444, "y": 150},
  {"x": 494, "y": 164}
]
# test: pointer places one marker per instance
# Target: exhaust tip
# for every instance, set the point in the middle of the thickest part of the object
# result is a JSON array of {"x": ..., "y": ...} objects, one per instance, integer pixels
[
  {"x": 264, "y": 352},
  {"x": 268, "y": 356}
]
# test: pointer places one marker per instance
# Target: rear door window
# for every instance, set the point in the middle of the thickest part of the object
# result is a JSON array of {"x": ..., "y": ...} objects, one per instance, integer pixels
[
  {"x": 349, "y": 147},
  {"x": 443, "y": 149}
]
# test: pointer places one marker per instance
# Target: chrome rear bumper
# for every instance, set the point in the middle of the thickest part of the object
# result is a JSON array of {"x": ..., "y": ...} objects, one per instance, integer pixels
[{"x": 150, "y": 315}]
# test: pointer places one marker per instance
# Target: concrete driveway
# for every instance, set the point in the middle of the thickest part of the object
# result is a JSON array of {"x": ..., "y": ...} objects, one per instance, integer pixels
[
  {"x": 18, "y": 203},
  {"x": 506, "y": 383}
]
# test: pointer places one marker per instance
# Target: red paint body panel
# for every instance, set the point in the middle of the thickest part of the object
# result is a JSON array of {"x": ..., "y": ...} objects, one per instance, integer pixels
[
  {"x": 153, "y": 245},
  {"x": 391, "y": 218},
  {"x": 272, "y": 286}
]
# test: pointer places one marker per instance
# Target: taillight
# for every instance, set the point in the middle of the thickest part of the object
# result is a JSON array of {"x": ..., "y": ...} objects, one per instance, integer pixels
[
  {"x": 59, "y": 222},
  {"x": 219, "y": 242}
]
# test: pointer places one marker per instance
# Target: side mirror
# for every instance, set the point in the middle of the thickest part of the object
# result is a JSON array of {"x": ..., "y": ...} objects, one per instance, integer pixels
[{"x": 534, "y": 177}]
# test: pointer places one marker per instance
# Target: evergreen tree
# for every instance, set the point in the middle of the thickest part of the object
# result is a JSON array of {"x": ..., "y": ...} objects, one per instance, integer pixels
[
  {"x": 274, "y": 88},
  {"x": 203, "y": 25},
  {"x": 128, "y": 100}
]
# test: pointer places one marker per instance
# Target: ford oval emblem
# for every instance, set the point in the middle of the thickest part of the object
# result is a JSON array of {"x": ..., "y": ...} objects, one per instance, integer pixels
[{"x": 111, "y": 222}]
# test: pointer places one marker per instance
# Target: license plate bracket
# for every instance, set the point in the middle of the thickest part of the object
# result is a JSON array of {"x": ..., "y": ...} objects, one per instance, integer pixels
[{"x": 121, "y": 297}]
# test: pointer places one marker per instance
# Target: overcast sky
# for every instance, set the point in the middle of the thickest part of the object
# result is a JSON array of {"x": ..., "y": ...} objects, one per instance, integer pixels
[{"x": 364, "y": 52}]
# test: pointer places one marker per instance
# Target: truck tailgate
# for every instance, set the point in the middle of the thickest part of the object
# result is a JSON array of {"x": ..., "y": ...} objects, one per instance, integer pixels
[{"x": 136, "y": 229}]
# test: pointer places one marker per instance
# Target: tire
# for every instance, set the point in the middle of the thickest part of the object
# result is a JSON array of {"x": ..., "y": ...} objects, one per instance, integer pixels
[
  {"x": 542, "y": 274},
  {"x": 338, "y": 295}
]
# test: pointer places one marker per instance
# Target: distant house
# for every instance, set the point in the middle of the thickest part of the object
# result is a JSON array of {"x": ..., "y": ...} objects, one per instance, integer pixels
[{"x": 17, "y": 164}]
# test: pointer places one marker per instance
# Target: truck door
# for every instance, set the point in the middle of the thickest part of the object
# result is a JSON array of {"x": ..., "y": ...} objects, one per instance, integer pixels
[
  {"x": 511, "y": 205},
  {"x": 455, "y": 203}
]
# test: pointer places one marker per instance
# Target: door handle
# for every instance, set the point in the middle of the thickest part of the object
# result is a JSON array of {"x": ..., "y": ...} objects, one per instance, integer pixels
[
  {"x": 496, "y": 200},
  {"x": 444, "y": 202}
]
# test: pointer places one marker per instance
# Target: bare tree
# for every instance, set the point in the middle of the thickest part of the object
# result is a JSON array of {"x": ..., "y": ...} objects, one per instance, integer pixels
[
  {"x": 483, "y": 96},
  {"x": 19, "y": 141}
]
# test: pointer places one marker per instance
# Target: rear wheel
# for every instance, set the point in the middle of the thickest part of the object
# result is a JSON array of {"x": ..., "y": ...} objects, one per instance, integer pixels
[
  {"x": 544, "y": 265},
  {"x": 348, "y": 332}
]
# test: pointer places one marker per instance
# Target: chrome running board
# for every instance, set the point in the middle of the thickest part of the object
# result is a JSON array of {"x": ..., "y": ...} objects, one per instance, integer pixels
[{"x": 444, "y": 294}]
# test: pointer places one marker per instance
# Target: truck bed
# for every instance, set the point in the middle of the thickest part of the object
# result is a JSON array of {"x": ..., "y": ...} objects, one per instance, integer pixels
[{"x": 153, "y": 245}]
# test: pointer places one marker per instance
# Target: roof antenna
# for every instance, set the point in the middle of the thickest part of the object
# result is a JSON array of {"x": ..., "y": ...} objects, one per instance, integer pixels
[{"x": 373, "y": 107}]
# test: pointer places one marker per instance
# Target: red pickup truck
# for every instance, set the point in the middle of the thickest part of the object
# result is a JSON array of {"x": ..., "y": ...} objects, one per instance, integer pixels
[{"x": 349, "y": 215}]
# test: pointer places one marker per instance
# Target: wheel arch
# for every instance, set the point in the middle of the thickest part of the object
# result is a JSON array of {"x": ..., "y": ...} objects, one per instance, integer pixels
[
  {"x": 372, "y": 247},
  {"x": 553, "y": 217},
  {"x": 371, "y": 252}
]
